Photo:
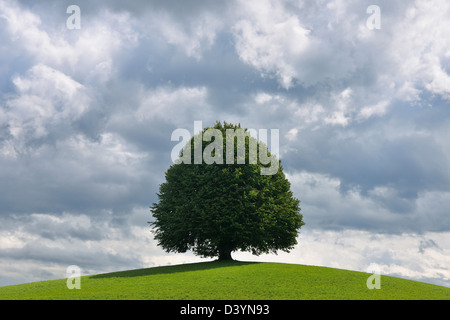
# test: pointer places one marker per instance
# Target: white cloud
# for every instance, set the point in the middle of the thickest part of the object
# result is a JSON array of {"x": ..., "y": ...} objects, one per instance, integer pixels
[
  {"x": 342, "y": 108},
  {"x": 292, "y": 134},
  {"x": 262, "y": 97},
  {"x": 194, "y": 37},
  {"x": 271, "y": 39},
  {"x": 171, "y": 103},
  {"x": 45, "y": 98},
  {"x": 440, "y": 81},
  {"x": 86, "y": 52},
  {"x": 407, "y": 56},
  {"x": 419, "y": 49},
  {"x": 310, "y": 113},
  {"x": 378, "y": 109}
]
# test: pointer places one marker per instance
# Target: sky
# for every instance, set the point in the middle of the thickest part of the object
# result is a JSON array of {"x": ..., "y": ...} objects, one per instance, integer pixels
[{"x": 361, "y": 99}]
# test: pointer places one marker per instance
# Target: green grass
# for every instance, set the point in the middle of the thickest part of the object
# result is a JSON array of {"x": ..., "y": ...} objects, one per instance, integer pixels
[{"x": 229, "y": 280}]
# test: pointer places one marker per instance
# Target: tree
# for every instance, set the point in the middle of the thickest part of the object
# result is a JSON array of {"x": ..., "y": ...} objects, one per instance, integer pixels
[{"x": 215, "y": 209}]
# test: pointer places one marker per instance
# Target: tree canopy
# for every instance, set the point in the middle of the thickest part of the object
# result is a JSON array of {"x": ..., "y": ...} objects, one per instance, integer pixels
[{"x": 216, "y": 208}]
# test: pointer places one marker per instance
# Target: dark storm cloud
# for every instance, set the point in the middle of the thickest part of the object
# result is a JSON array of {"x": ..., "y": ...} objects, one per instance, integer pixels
[{"x": 71, "y": 183}]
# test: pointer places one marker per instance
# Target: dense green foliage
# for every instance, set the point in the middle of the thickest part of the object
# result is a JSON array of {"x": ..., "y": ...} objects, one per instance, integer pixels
[
  {"x": 229, "y": 280},
  {"x": 215, "y": 209}
]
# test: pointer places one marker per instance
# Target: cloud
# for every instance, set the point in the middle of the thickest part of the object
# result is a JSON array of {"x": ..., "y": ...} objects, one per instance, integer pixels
[
  {"x": 45, "y": 105},
  {"x": 85, "y": 53},
  {"x": 326, "y": 206},
  {"x": 162, "y": 103},
  {"x": 270, "y": 39},
  {"x": 193, "y": 37},
  {"x": 78, "y": 175},
  {"x": 417, "y": 46},
  {"x": 378, "y": 109}
]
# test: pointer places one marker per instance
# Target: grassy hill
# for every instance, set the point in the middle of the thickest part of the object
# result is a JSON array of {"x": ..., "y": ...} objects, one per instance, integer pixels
[{"x": 229, "y": 280}]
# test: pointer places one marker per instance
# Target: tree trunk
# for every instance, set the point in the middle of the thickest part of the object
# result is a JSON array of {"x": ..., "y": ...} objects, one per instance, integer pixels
[{"x": 225, "y": 255}]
